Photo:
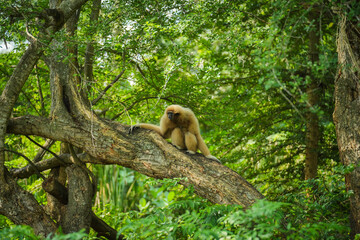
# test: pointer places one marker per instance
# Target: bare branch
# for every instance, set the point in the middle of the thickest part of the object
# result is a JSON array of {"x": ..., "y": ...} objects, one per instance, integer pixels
[
  {"x": 41, "y": 152},
  {"x": 32, "y": 165},
  {"x": 50, "y": 163},
  {"x": 107, "y": 87},
  {"x": 46, "y": 149}
]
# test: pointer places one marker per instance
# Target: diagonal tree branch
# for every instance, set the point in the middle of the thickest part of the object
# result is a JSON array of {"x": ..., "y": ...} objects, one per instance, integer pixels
[
  {"x": 145, "y": 152},
  {"x": 50, "y": 163}
]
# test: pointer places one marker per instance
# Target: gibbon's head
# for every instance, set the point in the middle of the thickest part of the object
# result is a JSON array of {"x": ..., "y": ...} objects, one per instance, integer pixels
[{"x": 174, "y": 112}]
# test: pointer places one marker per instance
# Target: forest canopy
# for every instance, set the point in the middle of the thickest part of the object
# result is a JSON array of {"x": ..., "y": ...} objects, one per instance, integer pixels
[{"x": 273, "y": 84}]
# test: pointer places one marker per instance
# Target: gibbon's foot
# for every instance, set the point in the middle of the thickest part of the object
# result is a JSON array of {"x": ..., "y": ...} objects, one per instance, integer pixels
[
  {"x": 133, "y": 128},
  {"x": 190, "y": 152},
  {"x": 212, "y": 158},
  {"x": 178, "y": 147}
]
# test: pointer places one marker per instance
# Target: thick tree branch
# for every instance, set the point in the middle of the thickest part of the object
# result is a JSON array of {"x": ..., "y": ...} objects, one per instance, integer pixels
[
  {"x": 11, "y": 93},
  {"x": 145, "y": 152},
  {"x": 347, "y": 111},
  {"x": 22, "y": 208}
]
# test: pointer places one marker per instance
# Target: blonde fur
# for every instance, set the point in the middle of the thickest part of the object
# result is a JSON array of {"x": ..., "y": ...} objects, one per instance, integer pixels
[{"x": 182, "y": 128}]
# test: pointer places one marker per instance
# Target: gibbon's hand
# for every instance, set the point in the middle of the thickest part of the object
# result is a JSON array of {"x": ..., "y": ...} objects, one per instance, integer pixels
[
  {"x": 212, "y": 158},
  {"x": 133, "y": 128}
]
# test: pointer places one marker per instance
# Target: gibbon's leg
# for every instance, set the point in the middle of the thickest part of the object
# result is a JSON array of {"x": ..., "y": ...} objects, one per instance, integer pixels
[
  {"x": 191, "y": 143},
  {"x": 177, "y": 138},
  {"x": 202, "y": 146},
  {"x": 204, "y": 149}
]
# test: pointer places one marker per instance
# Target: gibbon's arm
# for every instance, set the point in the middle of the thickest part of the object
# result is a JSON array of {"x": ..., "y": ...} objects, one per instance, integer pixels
[
  {"x": 150, "y": 126},
  {"x": 162, "y": 130},
  {"x": 145, "y": 126}
]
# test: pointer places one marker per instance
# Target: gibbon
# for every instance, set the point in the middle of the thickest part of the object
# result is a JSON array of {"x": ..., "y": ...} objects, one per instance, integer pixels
[{"x": 181, "y": 125}]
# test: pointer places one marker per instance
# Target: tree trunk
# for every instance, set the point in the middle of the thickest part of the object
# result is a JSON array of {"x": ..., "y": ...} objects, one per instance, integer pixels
[
  {"x": 78, "y": 212},
  {"x": 312, "y": 91},
  {"x": 347, "y": 110},
  {"x": 17, "y": 204},
  {"x": 89, "y": 54}
]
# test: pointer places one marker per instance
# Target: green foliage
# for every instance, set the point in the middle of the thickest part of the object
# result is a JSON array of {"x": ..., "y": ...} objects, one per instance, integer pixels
[
  {"x": 197, "y": 219},
  {"x": 20, "y": 232},
  {"x": 315, "y": 209},
  {"x": 4, "y": 222},
  {"x": 124, "y": 190}
]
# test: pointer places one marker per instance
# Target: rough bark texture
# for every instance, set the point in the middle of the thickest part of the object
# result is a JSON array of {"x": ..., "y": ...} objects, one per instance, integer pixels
[
  {"x": 78, "y": 210},
  {"x": 347, "y": 110},
  {"x": 22, "y": 208},
  {"x": 312, "y": 91}
]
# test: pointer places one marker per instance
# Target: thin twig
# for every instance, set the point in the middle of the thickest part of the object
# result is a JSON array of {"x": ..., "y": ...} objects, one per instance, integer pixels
[
  {"x": 41, "y": 152},
  {"x": 31, "y": 104},
  {"x": 114, "y": 81},
  {"x": 107, "y": 87},
  {"x": 48, "y": 150},
  {"x": 136, "y": 102},
  {"x": 296, "y": 109}
]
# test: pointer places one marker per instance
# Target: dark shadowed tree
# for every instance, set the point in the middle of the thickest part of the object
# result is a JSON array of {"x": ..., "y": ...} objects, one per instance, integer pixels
[{"x": 347, "y": 103}]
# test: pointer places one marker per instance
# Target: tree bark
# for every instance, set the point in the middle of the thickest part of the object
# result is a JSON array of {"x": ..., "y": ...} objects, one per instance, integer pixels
[
  {"x": 89, "y": 54},
  {"x": 61, "y": 193},
  {"x": 347, "y": 110},
  {"x": 22, "y": 208},
  {"x": 78, "y": 212}
]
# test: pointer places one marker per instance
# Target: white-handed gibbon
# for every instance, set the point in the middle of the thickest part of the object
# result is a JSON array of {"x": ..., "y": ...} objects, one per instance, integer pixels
[{"x": 181, "y": 125}]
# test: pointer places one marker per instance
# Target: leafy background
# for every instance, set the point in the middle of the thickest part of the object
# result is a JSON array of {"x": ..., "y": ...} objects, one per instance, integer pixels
[{"x": 241, "y": 67}]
